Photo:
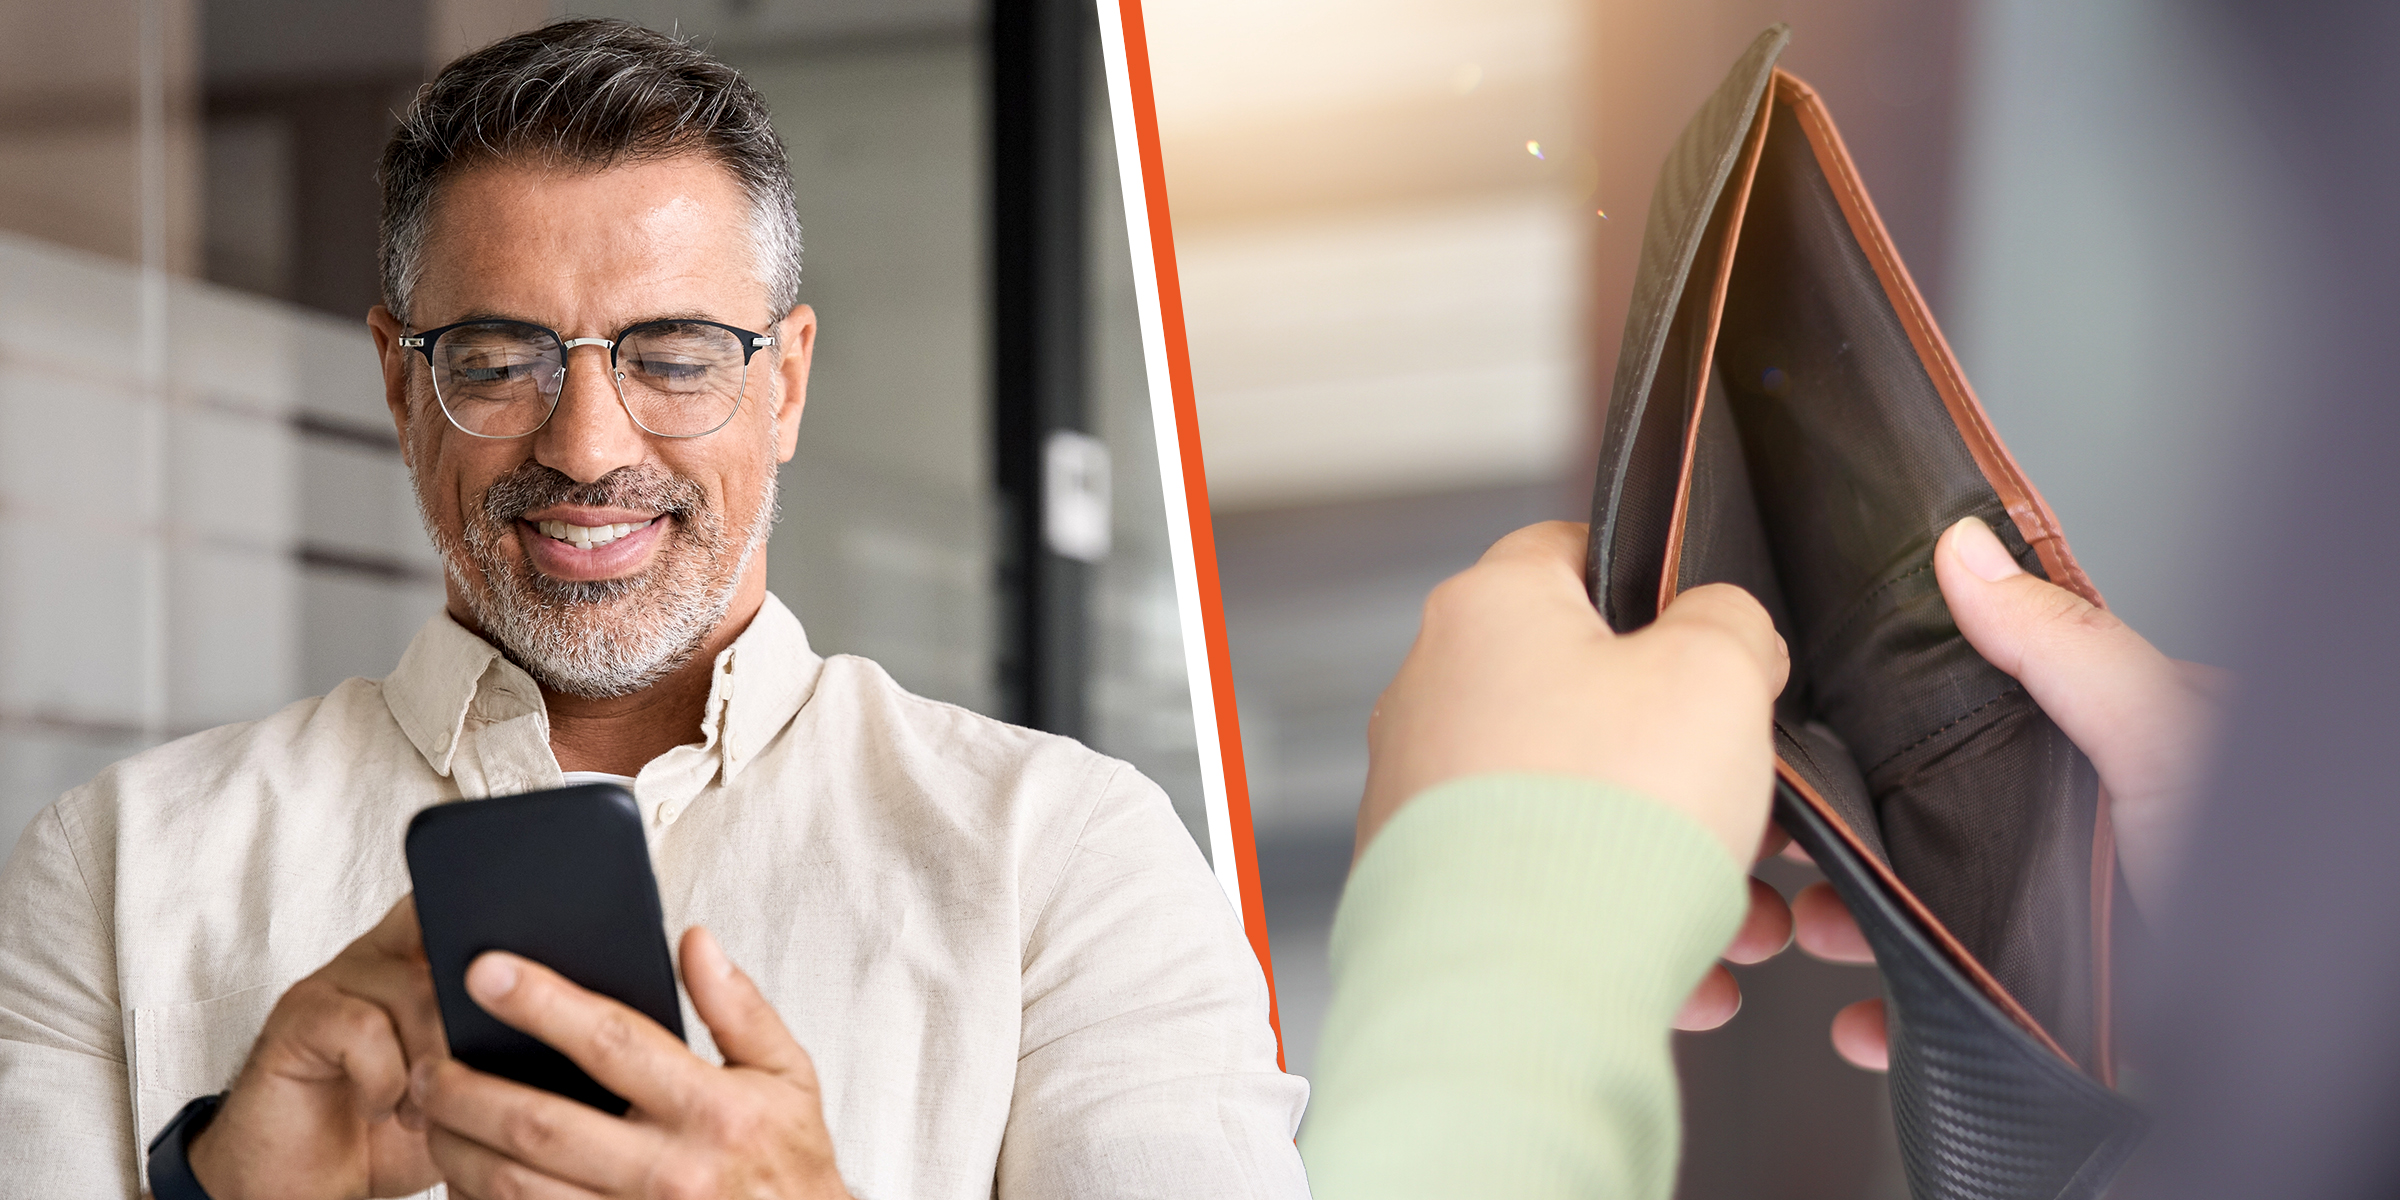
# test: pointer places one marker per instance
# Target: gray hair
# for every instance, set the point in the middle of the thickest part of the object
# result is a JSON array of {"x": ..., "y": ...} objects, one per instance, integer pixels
[{"x": 591, "y": 93}]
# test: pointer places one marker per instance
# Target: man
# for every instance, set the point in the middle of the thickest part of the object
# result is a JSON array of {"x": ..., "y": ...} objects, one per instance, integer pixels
[{"x": 1008, "y": 966}]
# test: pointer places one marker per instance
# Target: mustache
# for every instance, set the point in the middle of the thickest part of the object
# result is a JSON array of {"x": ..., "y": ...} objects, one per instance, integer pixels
[{"x": 646, "y": 488}]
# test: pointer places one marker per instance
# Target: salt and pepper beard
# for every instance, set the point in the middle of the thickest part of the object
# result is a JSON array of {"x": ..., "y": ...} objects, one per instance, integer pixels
[{"x": 601, "y": 638}]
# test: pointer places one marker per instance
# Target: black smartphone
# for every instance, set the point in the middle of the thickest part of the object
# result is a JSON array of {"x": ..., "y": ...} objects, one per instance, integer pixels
[{"x": 561, "y": 877}]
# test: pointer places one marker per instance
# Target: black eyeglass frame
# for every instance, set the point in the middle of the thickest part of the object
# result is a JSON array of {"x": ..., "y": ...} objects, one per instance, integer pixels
[{"x": 752, "y": 342}]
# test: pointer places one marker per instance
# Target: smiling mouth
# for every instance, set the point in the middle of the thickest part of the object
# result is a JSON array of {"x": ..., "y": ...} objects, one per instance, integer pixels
[{"x": 585, "y": 537}]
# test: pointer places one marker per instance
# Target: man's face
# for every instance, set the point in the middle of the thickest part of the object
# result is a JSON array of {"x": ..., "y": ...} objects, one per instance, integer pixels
[{"x": 662, "y": 535}]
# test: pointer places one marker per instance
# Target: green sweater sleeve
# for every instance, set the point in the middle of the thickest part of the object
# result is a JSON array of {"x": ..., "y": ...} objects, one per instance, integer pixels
[{"x": 1507, "y": 960}]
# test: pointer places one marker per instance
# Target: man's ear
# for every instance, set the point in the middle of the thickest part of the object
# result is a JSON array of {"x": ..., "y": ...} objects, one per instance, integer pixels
[
  {"x": 386, "y": 330},
  {"x": 796, "y": 339}
]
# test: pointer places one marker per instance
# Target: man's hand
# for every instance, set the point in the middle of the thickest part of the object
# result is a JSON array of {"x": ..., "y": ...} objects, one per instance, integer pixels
[
  {"x": 754, "y": 1127},
  {"x": 321, "y": 1108},
  {"x": 2144, "y": 719},
  {"x": 1513, "y": 670}
]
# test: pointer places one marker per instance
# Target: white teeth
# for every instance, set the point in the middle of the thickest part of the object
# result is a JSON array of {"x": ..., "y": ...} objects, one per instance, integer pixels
[{"x": 584, "y": 537}]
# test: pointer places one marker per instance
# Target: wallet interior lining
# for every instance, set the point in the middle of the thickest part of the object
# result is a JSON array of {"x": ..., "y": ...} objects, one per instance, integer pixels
[
  {"x": 2026, "y": 509},
  {"x": 1820, "y": 424}
]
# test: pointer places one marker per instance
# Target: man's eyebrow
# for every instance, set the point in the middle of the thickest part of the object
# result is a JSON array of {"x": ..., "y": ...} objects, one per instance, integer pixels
[
  {"x": 485, "y": 314},
  {"x": 677, "y": 315},
  {"x": 687, "y": 315}
]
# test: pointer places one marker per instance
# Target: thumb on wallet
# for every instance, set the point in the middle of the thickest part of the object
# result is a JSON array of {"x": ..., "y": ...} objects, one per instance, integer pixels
[{"x": 2141, "y": 717}]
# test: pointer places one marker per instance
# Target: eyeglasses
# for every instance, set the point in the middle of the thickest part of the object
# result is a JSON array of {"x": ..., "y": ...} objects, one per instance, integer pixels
[{"x": 502, "y": 379}]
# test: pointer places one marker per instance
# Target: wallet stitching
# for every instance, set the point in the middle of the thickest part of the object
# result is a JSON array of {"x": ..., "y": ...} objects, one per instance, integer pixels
[
  {"x": 1858, "y": 610},
  {"x": 1953, "y": 723},
  {"x": 1798, "y": 746}
]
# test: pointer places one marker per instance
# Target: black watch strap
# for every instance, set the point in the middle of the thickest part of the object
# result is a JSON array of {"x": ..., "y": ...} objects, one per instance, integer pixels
[{"x": 171, "y": 1175}]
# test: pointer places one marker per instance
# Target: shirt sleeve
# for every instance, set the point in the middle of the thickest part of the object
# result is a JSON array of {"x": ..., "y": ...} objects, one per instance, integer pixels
[
  {"x": 66, "y": 1118},
  {"x": 1507, "y": 960},
  {"x": 1147, "y": 1064}
]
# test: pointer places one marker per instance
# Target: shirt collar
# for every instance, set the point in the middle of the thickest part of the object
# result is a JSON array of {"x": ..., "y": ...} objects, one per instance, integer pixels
[{"x": 448, "y": 674}]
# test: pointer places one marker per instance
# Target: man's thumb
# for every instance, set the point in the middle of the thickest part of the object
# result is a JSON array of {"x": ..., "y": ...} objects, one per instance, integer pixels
[
  {"x": 2086, "y": 668},
  {"x": 746, "y": 1027}
]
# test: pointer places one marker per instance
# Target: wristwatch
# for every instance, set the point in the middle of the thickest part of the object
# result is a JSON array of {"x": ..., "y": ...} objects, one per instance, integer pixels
[{"x": 171, "y": 1175}]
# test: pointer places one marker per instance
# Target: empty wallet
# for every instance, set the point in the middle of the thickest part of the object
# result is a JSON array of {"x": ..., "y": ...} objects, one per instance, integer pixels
[{"x": 1786, "y": 417}]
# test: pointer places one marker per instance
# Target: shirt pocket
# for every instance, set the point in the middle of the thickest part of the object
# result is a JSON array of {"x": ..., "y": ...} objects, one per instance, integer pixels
[{"x": 179, "y": 1051}]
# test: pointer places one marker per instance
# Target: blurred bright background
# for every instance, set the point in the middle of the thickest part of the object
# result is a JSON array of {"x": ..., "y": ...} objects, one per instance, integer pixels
[{"x": 1407, "y": 232}]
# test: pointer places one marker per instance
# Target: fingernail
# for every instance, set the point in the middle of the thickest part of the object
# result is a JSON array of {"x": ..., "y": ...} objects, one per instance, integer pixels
[
  {"x": 420, "y": 1080},
  {"x": 1980, "y": 549},
  {"x": 492, "y": 976}
]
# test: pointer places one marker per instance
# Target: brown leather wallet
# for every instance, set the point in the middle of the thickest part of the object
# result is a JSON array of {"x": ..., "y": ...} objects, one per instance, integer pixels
[{"x": 1786, "y": 417}]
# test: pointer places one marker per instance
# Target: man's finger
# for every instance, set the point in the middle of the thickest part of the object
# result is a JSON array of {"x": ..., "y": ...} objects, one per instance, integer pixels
[
  {"x": 552, "y": 1134},
  {"x": 1766, "y": 928},
  {"x": 1861, "y": 1037},
  {"x": 1728, "y": 610},
  {"x": 397, "y": 934},
  {"x": 626, "y": 1051},
  {"x": 351, "y": 1039},
  {"x": 476, "y": 1172},
  {"x": 386, "y": 967},
  {"x": 1775, "y": 841},
  {"x": 1825, "y": 929},
  {"x": 2143, "y": 718},
  {"x": 1712, "y": 1003},
  {"x": 2088, "y": 670},
  {"x": 1528, "y": 578},
  {"x": 1556, "y": 545},
  {"x": 415, "y": 1015},
  {"x": 748, "y": 1031}
]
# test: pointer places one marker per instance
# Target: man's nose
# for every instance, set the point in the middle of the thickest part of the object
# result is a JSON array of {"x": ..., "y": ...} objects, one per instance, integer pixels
[{"x": 590, "y": 433}]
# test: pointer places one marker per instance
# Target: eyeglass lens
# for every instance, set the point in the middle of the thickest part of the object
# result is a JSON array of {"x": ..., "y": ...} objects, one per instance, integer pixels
[{"x": 503, "y": 378}]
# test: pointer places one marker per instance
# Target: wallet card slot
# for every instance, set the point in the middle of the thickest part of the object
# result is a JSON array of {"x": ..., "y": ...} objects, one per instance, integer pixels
[
  {"x": 1812, "y": 752},
  {"x": 1724, "y": 539}
]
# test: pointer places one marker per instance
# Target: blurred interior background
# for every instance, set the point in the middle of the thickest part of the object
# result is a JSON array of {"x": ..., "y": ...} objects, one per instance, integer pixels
[{"x": 1407, "y": 230}]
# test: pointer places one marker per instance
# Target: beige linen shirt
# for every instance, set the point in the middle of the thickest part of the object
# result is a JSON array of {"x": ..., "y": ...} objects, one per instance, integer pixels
[{"x": 1011, "y": 965}]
